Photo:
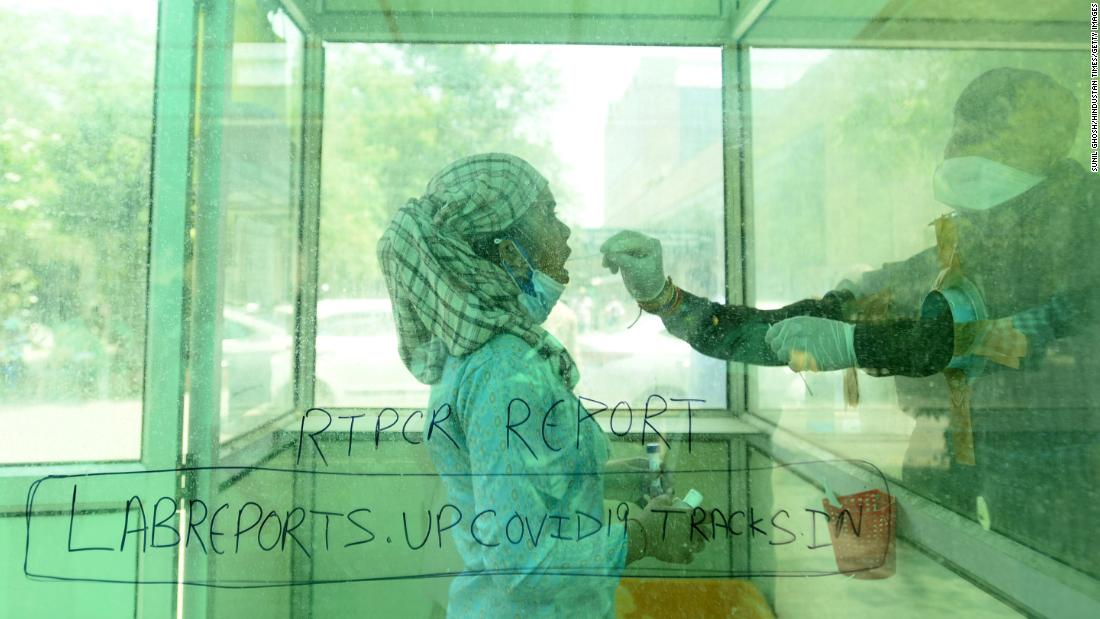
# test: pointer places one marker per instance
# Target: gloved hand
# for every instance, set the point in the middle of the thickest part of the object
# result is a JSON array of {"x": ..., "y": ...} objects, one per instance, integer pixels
[
  {"x": 815, "y": 344},
  {"x": 669, "y": 534},
  {"x": 629, "y": 478},
  {"x": 639, "y": 258}
]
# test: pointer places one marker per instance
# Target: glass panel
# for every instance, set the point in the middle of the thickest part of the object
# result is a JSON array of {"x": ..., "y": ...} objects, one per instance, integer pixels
[
  {"x": 75, "y": 131},
  {"x": 620, "y": 132},
  {"x": 261, "y": 162},
  {"x": 846, "y": 147}
]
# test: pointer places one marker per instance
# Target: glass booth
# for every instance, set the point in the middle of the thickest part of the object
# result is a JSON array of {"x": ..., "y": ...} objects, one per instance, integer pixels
[{"x": 206, "y": 409}]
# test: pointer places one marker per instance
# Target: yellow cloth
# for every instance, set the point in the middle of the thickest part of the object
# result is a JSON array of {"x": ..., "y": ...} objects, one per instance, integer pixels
[{"x": 689, "y": 599}]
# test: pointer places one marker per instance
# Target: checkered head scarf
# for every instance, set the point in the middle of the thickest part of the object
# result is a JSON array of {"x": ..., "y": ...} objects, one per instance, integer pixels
[{"x": 447, "y": 300}]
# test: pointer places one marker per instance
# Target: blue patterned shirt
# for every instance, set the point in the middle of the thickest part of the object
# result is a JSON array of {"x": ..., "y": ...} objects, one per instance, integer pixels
[{"x": 542, "y": 545}]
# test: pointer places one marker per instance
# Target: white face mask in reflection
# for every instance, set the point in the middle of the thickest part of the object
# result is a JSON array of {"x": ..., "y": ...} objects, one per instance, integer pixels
[{"x": 978, "y": 183}]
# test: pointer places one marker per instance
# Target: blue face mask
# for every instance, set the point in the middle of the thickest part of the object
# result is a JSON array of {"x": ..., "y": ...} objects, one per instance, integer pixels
[{"x": 540, "y": 293}]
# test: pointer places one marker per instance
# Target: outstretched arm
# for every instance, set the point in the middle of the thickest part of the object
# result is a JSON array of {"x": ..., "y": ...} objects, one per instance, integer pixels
[
  {"x": 736, "y": 332},
  {"x": 731, "y": 332}
]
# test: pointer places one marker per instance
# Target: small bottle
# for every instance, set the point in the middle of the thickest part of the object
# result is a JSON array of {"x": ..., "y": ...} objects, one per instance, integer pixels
[{"x": 653, "y": 454}]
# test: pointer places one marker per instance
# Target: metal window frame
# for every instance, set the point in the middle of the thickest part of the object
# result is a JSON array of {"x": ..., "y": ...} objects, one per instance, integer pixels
[{"x": 204, "y": 445}]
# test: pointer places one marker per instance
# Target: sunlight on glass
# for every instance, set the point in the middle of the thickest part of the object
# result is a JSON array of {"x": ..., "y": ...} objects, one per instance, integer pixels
[
  {"x": 75, "y": 131},
  {"x": 627, "y": 136}
]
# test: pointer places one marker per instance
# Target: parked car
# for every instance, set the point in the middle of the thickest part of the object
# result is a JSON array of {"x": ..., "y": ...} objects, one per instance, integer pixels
[
  {"x": 357, "y": 359},
  {"x": 255, "y": 355},
  {"x": 357, "y": 363}
]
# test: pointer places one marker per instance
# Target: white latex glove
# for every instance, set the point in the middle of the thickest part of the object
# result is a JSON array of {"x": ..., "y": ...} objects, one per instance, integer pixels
[
  {"x": 815, "y": 344},
  {"x": 669, "y": 534},
  {"x": 639, "y": 258}
]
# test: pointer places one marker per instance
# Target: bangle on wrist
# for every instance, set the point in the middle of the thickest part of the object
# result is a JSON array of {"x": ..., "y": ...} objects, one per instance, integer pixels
[
  {"x": 665, "y": 302},
  {"x": 668, "y": 311}
]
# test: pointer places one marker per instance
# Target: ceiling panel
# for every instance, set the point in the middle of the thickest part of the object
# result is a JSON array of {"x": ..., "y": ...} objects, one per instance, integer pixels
[
  {"x": 1052, "y": 24},
  {"x": 952, "y": 10},
  {"x": 680, "y": 8}
]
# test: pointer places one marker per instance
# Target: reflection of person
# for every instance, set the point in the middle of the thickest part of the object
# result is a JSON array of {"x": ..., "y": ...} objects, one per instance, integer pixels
[
  {"x": 1012, "y": 129},
  {"x": 473, "y": 268},
  {"x": 1021, "y": 446},
  {"x": 1019, "y": 254}
]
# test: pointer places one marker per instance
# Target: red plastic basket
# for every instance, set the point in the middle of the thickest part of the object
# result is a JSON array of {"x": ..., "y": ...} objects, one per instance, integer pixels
[{"x": 862, "y": 531}]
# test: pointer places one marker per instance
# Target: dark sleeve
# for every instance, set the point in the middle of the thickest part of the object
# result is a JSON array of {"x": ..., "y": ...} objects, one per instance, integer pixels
[
  {"x": 736, "y": 332},
  {"x": 905, "y": 347}
]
